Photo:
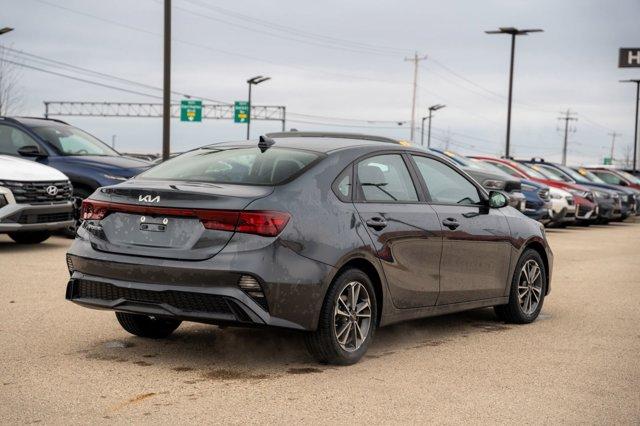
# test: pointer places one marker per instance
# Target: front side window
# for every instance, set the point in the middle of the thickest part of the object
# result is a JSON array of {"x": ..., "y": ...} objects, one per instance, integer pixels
[
  {"x": 247, "y": 166},
  {"x": 68, "y": 140},
  {"x": 385, "y": 178},
  {"x": 445, "y": 185},
  {"x": 12, "y": 139}
]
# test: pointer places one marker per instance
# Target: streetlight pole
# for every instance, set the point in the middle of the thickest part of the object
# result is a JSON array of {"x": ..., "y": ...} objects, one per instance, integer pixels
[
  {"x": 166, "y": 85},
  {"x": 432, "y": 108},
  {"x": 635, "y": 132},
  {"x": 255, "y": 80},
  {"x": 513, "y": 32}
]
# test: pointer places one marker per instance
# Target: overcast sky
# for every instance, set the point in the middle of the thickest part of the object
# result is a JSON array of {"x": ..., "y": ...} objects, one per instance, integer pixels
[{"x": 338, "y": 61}]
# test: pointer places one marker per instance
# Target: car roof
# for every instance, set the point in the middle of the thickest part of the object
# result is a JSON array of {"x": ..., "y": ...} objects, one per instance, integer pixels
[
  {"x": 324, "y": 142},
  {"x": 33, "y": 121}
]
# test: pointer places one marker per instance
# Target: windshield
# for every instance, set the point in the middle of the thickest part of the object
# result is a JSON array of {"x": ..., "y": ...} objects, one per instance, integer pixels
[
  {"x": 533, "y": 172},
  {"x": 247, "y": 166},
  {"x": 587, "y": 174},
  {"x": 572, "y": 173},
  {"x": 68, "y": 140},
  {"x": 489, "y": 167},
  {"x": 551, "y": 173}
]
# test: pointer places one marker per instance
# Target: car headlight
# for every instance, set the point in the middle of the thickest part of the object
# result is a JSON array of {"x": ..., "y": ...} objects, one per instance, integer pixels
[
  {"x": 114, "y": 177},
  {"x": 493, "y": 184}
]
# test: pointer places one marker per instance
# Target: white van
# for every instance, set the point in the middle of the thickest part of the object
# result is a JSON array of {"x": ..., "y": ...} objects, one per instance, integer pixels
[{"x": 34, "y": 200}]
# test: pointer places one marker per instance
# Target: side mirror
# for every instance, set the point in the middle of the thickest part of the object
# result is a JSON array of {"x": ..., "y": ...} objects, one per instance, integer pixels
[
  {"x": 497, "y": 200},
  {"x": 623, "y": 183},
  {"x": 31, "y": 151}
]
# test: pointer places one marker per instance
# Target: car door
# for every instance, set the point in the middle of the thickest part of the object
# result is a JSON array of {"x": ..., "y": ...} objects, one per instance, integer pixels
[
  {"x": 476, "y": 239},
  {"x": 403, "y": 228}
]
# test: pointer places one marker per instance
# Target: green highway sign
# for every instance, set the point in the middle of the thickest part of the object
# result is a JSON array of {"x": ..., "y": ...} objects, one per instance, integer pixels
[
  {"x": 241, "y": 112},
  {"x": 190, "y": 110},
  {"x": 607, "y": 161}
]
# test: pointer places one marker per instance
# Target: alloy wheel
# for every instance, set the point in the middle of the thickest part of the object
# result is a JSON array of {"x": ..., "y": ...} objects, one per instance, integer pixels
[
  {"x": 352, "y": 316},
  {"x": 530, "y": 287}
]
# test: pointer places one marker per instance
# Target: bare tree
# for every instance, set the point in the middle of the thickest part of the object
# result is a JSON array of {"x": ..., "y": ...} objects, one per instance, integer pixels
[{"x": 11, "y": 96}]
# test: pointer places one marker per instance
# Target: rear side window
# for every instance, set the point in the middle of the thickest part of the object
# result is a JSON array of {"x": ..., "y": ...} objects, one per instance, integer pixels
[
  {"x": 385, "y": 178},
  {"x": 247, "y": 166},
  {"x": 445, "y": 185}
]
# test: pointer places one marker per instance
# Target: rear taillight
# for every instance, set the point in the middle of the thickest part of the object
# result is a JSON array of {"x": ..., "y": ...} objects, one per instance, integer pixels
[{"x": 264, "y": 223}]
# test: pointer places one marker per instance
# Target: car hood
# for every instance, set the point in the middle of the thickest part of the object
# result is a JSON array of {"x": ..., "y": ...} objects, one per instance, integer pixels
[
  {"x": 117, "y": 165},
  {"x": 13, "y": 168}
]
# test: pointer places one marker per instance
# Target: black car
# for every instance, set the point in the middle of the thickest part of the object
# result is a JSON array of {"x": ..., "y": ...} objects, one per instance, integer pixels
[{"x": 330, "y": 234}]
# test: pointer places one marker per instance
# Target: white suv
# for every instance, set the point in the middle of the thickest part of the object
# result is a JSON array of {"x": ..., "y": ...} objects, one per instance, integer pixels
[{"x": 34, "y": 200}]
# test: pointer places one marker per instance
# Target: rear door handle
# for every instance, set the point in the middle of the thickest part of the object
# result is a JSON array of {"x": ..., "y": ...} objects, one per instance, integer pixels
[
  {"x": 376, "y": 223},
  {"x": 450, "y": 223}
]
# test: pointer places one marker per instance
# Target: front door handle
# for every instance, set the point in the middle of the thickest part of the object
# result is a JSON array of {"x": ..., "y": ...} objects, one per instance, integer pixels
[
  {"x": 376, "y": 223},
  {"x": 450, "y": 223}
]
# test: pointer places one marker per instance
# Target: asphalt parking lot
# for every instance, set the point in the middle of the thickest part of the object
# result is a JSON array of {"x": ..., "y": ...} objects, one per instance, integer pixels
[{"x": 579, "y": 363}]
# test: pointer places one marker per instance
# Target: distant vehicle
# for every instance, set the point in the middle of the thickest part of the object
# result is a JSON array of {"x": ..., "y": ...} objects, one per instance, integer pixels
[
  {"x": 609, "y": 200},
  {"x": 538, "y": 202},
  {"x": 489, "y": 179},
  {"x": 633, "y": 195},
  {"x": 563, "y": 207},
  {"x": 34, "y": 200},
  {"x": 584, "y": 199},
  {"x": 615, "y": 176},
  {"x": 330, "y": 234},
  {"x": 88, "y": 162}
]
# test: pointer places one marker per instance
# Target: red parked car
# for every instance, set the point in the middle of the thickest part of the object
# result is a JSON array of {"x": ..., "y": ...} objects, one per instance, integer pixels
[
  {"x": 615, "y": 176},
  {"x": 586, "y": 208}
]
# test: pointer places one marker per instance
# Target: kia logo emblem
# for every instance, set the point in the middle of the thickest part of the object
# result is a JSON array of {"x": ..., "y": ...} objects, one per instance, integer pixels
[
  {"x": 149, "y": 198},
  {"x": 52, "y": 190}
]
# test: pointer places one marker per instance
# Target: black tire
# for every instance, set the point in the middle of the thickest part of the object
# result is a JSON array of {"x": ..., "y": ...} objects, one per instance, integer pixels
[
  {"x": 79, "y": 194},
  {"x": 144, "y": 326},
  {"x": 513, "y": 312},
  {"x": 29, "y": 237},
  {"x": 323, "y": 343}
]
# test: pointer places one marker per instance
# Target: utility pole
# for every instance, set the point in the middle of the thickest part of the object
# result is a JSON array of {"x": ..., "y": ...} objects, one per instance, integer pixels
[
  {"x": 567, "y": 117},
  {"x": 166, "y": 85},
  {"x": 416, "y": 60},
  {"x": 613, "y": 135},
  {"x": 635, "y": 132}
]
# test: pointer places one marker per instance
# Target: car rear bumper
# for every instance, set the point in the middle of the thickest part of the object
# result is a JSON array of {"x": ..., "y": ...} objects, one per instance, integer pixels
[
  {"x": 29, "y": 217},
  {"x": 203, "y": 291}
]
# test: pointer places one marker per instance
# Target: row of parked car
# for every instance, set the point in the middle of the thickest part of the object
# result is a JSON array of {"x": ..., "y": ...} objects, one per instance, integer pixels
[{"x": 47, "y": 168}]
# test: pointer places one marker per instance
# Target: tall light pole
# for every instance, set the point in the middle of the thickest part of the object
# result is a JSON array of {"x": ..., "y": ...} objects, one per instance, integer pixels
[
  {"x": 166, "y": 84},
  {"x": 513, "y": 32},
  {"x": 432, "y": 108},
  {"x": 635, "y": 132},
  {"x": 255, "y": 80}
]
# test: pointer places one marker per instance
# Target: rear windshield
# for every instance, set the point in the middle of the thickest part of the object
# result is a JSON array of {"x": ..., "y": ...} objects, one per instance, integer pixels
[{"x": 247, "y": 166}]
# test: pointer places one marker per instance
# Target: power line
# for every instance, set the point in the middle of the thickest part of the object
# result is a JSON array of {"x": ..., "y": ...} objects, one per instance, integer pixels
[{"x": 108, "y": 86}]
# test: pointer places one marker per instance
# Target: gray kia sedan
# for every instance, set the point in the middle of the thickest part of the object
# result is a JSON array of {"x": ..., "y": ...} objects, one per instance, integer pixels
[{"x": 331, "y": 234}]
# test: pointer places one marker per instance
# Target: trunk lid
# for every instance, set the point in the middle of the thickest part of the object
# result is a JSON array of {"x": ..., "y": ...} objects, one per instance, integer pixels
[{"x": 166, "y": 219}]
